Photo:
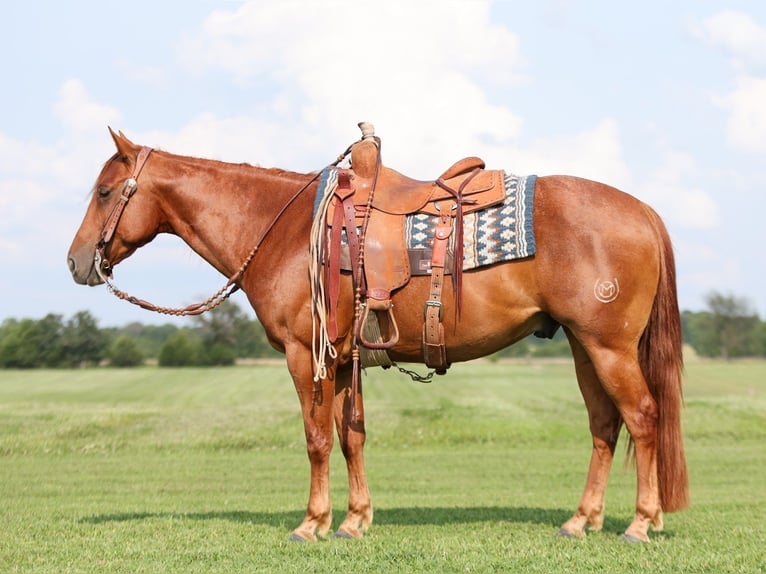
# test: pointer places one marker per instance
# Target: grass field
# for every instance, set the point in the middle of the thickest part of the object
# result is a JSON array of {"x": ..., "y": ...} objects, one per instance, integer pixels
[{"x": 204, "y": 470}]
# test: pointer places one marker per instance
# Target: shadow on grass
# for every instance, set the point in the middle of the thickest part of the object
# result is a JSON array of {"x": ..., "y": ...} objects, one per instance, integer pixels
[{"x": 435, "y": 516}]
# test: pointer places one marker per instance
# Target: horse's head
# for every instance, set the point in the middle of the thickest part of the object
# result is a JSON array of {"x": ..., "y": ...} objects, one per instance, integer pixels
[{"x": 112, "y": 230}]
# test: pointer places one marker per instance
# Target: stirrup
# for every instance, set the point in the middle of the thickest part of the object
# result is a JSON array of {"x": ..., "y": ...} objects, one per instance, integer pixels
[{"x": 392, "y": 340}]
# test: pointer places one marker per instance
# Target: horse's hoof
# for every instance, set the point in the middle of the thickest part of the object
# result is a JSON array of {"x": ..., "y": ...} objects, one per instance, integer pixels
[
  {"x": 343, "y": 534},
  {"x": 564, "y": 533},
  {"x": 632, "y": 539},
  {"x": 296, "y": 538}
]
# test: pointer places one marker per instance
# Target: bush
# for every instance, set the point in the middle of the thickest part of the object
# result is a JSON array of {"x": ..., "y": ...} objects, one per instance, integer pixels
[
  {"x": 179, "y": 351},
  {"x": 217, "y": 354},
  {"x": 83, "y": 343},
  {"x": 27, "y": 344},
  {"x": 124, "y": 352}
]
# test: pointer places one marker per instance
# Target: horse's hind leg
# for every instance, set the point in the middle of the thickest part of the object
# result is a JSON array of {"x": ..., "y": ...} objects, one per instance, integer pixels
[
  {"x": 351, "y": 436},
  {"x": 620, "y": 374},
  {"x": 605, "y": 423}
]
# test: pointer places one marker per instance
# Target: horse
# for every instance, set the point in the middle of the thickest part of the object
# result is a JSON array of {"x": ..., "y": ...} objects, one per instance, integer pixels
[{"x": 625, "y": 335}]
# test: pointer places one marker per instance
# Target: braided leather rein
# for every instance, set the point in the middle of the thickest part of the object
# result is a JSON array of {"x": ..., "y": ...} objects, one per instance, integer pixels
[{"x": 104, "y": 268}]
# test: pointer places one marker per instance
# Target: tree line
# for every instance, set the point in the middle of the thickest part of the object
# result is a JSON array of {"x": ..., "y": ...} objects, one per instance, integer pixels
[
  {"x": 217, "y": 338},
  {"x": 728, "y": 328}
]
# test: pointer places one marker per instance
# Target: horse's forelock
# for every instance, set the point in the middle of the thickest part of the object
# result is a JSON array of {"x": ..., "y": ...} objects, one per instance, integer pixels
[{"x": 115, "y": 157}]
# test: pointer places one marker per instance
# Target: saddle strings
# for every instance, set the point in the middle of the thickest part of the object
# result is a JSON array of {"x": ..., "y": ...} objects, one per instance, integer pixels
[
  {"x": 320, "y": 340},
  {"x": 321, "y": 345}
]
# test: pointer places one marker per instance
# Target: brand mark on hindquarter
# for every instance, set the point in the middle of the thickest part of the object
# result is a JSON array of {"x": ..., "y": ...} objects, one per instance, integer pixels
[{"x": 607, "y": 290}]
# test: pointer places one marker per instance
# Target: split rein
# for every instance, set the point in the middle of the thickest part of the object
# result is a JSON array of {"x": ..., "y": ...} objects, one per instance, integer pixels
[{"x": 104, "y": 268}]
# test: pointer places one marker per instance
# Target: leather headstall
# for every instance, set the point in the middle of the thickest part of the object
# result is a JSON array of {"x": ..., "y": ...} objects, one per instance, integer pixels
[{"x": 102, "y": 265}]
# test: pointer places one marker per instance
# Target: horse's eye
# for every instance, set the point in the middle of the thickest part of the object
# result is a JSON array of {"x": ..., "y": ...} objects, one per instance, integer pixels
[{"x": 103, "y": 191}]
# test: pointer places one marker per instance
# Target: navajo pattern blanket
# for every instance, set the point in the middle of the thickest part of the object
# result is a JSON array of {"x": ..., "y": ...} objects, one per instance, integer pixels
[{"x": 500, "y": 233}]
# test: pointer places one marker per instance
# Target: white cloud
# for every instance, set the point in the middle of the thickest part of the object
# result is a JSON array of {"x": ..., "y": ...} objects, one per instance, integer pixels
[
  {"x": 594, "y": 153},
  {"x": 689, "y": 208},
  {"x": 665, "y": 190},
  {"x": 237, "y": 138},
  {"x": 738, "y": 35},
  {"x": 417, "y": 69},
  {"x": 21, "y": 159},
  {"x": 43, "y": 186},
  {"x": 354, "y": 42},
  {"x": 24, "y": 216},
  {"x": 14, "y": 211},
  {"x": 746, "y": 125},
  {"x": 743, "y": 40},
  {"x": 79, "y": 112}
]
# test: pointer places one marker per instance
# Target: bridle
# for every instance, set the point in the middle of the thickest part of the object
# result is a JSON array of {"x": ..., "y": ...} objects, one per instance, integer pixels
[
  {"x": 104, "y": 268},
  {"x": 101, "y": 263}
]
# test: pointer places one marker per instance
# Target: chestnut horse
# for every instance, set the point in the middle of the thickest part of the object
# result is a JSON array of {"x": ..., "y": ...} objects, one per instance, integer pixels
[{"x": 626, "y": 347}]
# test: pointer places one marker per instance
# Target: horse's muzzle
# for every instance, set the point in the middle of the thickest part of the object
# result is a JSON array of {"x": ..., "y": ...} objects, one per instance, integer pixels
[{"x": 83, "y": 274}]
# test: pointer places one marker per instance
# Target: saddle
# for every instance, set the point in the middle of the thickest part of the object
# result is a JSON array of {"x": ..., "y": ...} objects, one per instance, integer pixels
[{"x": 371, "y": 204}]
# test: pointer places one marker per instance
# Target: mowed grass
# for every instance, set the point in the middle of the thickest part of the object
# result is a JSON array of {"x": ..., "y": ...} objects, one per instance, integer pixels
[{"x": 204, "y": 470}]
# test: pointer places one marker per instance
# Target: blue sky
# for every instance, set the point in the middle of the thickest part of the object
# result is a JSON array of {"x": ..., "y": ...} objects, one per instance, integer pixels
[{"x": 665, "y": 100}]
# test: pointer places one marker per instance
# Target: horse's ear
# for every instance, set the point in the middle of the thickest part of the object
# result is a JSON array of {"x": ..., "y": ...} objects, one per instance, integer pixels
[
  {"x": 123, "y": 136},
  {"x": 125, "y": 147}
]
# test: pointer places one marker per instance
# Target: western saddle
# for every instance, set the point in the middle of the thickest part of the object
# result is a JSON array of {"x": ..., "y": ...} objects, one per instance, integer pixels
[{"x": 371, "y": 203}]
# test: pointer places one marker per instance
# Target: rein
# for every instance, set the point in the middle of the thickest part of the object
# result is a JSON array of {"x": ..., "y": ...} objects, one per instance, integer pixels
[{"x": 104, "y": 268}]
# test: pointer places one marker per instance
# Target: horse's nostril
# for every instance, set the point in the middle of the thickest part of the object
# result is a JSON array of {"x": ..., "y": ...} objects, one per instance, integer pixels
[{"x": 72, "y": 265}]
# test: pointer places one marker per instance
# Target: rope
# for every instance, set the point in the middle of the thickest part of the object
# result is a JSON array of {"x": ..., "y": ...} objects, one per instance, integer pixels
[{"x": 321, "y": 346}]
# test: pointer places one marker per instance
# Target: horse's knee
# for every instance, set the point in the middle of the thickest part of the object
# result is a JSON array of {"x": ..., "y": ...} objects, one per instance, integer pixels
[{"x": 318, "y": 444}]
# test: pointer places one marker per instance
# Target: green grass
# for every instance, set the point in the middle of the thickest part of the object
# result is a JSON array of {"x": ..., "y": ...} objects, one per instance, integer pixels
[{"x": 204, "y": 470}]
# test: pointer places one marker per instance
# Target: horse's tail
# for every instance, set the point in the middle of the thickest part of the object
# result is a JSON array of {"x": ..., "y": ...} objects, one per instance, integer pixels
[{"x": 661, "y": 357}]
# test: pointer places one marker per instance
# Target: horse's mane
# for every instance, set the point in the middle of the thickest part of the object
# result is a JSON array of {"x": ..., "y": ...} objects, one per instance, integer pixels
[
  {"x": 271, "y": 171},
  {"x": 275, "y": 171}
]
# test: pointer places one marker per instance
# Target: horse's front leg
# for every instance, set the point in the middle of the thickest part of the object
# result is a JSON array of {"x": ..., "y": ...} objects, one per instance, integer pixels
[
  {"x": 352, "y": 436},
  {"x": 317, "y": 407}
]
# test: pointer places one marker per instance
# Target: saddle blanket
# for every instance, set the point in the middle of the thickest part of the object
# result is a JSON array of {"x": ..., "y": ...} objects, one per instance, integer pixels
[{"x": 500, "y": 233}]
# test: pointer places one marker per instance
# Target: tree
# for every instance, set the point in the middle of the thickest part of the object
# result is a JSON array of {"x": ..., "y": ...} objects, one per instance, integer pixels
[
  {"x": 221, "y": 331},
  {"x": 149, "y": 338},
  {"x": 217, "y": 354},
  {"x": 124, "y": 352},
  {"x": 698, "y": 332},
  {"x": 759, "y": 339},
  {"x": 83, "y": 342},
  {"x": 49, "y": 339},
  {"x": 17, "y": 348},
  {"x": 251, "y": 339},
  {"x": 28, "y": 343},
  {"x": 220, "y": 325},
  {"x": 733, "y": 321},
  {"x": 179, "y": 351}
]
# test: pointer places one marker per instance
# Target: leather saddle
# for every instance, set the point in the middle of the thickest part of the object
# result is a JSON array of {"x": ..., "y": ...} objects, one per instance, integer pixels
[
  {"x": 378, "y": 199},
  {"x": 402, "y": 195}
]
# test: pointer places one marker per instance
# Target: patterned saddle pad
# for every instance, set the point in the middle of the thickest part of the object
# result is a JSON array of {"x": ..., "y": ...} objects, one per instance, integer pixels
[{"x": 500, "y": 233}]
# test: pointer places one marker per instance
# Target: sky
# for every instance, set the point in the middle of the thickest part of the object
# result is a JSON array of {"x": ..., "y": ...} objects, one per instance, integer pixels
[{"x": 664, "y": 100}]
